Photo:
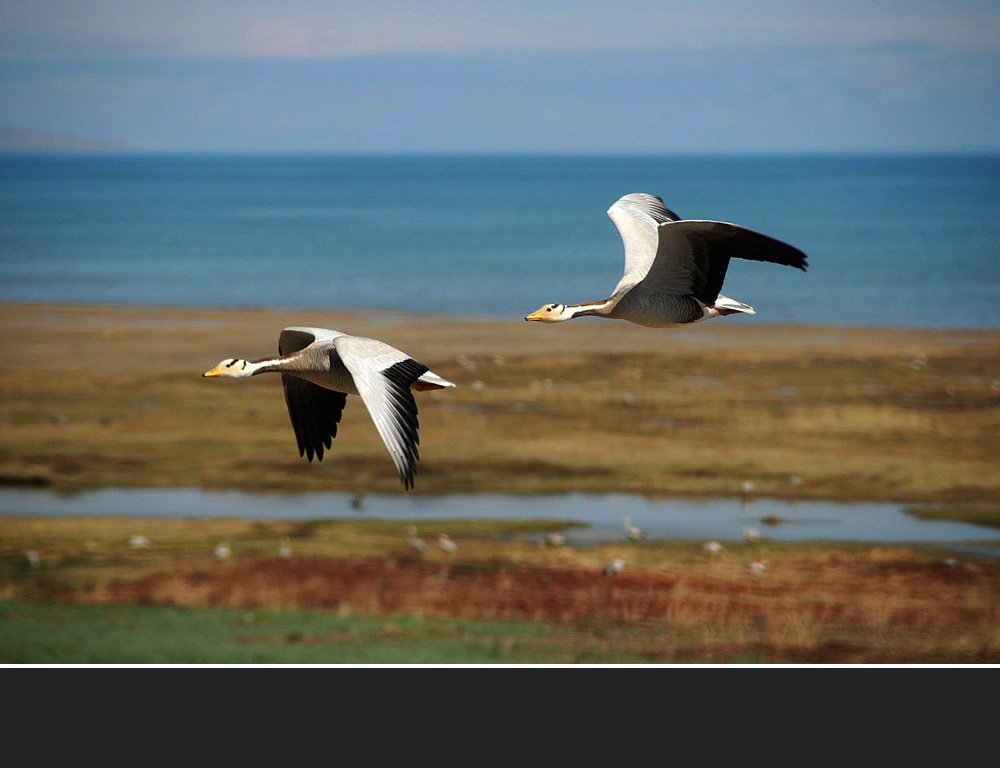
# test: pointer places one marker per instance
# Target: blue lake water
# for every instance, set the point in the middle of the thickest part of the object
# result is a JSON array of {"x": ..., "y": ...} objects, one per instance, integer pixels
[
  {"x": 892, "y": 240},
  {"x": 602, "y": 514}
]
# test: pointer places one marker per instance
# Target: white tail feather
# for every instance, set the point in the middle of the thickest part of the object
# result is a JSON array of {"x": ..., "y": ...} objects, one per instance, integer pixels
[
  {"x": 724, "y": 302},
  {"x": 431, "y": 380}
]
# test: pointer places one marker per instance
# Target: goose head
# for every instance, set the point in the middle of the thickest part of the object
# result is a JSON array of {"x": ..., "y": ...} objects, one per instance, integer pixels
[
  {"x": 232, "y": 368},
  {"x": 550, "y": 313}
]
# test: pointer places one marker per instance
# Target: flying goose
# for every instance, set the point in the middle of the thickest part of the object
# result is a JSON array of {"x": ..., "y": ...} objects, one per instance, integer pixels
[
  {"x": 674, "y": 268},
  {"x": 319, "y": 367}
]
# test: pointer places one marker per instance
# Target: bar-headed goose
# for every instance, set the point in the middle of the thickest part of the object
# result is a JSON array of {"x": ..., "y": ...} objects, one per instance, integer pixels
[
  {"x": 319, "y": 367},
  {"x": 674, "y": 268}
]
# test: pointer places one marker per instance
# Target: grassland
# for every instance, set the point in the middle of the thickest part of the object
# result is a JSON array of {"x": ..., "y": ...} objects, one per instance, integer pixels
[
  {"x": 96, "y": 396},
  {"x": 352, "y": 591}
]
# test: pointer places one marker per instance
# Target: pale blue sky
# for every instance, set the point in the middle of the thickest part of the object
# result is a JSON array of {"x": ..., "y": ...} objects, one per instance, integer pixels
[{"x": 471, "y": 75}]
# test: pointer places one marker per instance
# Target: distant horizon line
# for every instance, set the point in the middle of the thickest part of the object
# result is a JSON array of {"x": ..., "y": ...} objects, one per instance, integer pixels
[{"x": 866, "y": 152}]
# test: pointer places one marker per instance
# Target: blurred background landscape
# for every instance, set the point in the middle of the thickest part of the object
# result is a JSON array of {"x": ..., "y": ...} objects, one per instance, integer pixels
[{"x": 817, "y": 483}]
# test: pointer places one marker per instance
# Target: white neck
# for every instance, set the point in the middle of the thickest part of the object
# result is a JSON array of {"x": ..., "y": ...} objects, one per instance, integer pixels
[
  {"x": 243, "y": 368},
  {"x": 600, "y": 308}
]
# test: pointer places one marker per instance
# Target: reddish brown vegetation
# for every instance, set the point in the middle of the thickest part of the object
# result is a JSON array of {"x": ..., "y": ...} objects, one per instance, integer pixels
[{"x": 883, "y": 610}]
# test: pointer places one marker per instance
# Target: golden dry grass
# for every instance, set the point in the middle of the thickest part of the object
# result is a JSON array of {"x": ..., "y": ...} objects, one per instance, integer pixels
[{"x": 112, "y": 396}]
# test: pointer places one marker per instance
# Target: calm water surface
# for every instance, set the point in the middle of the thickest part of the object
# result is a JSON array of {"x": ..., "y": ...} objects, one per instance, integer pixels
[
  {"x": 722, "y": 519},
  {"x": 892, "y": 240}
]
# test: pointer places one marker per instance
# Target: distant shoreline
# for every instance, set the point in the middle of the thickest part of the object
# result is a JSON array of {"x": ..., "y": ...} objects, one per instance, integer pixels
[
  {"x": 468, "y": 317},
  {"x": 875, "y": 154}
]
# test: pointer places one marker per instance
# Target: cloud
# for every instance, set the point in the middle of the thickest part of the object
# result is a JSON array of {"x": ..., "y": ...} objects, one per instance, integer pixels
[
  {"x": 778, "y": 100},
  {"x": 311, "y": 29}
]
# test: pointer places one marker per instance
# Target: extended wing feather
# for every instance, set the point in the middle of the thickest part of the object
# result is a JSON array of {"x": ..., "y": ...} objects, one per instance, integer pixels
[
  {"x": 637, "y": 217},
  {"x": 693, "y": 256},
  {"x": 314, "y": 411},
  {"x": 383, "y": 375}
]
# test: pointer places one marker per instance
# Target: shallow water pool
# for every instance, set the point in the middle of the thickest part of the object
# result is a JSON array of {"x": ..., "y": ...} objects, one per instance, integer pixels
[{"x": 603, "y": 514}]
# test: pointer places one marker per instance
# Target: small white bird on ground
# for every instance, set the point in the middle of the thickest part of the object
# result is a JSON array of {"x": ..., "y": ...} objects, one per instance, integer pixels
[
  {"x": 222, "y": 550},
  {"x": 285, "y": 548},
  {"x": 632, "y": 532},
  {"x": 413, "y": 540},
  {"x": 757, "y": 567},
  {"x": 445, "y": 542},
  {"x": 615, "y": 566},
  {"x": 751, "y": 534},
  {"x": 712, "y": 547},
  {"x": 139, "y": 542},
  {"x": 554, "y": 539}
]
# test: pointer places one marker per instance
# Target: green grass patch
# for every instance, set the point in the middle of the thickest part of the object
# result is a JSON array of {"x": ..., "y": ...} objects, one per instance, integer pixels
[
  {"x": 62, "y": 633},
  {"x": 978, "y": 513}
]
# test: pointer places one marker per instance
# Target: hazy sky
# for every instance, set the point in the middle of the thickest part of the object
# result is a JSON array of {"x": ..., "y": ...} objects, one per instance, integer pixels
[{"x": 472, "y": 75}]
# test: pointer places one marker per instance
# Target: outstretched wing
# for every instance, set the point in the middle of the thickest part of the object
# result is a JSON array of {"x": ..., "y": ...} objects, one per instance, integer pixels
[
  {"x": 314, "y": 411},
  {"x": 383, "y": 375},
  {"x": 637, "y": 216},
  {"x": 693, "y": 255}
]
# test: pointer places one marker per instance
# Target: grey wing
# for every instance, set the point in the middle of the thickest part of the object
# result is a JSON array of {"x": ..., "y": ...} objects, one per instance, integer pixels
[
  {"x": 637, "y": 217},
  {"x": 295, "y": 338},
  {"x": 693, "y": 256},
  {"x": 314, "y": 411},
  {"x": 383, "y": 375}
]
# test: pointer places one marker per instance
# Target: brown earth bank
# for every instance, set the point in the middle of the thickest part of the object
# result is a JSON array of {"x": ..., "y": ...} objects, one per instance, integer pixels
[
  {"x": 112, "y": 395},
  {"x": 877, "y": 606}
]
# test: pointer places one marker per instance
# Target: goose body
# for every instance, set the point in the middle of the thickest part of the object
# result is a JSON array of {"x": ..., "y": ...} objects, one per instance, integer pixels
[
  {"x": 674, "y": 268},
  {"x": 320, "y": 367}
]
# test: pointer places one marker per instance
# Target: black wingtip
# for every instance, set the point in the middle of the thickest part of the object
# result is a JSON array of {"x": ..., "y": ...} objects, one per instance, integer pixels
[{"x": 407, "y": 478}]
